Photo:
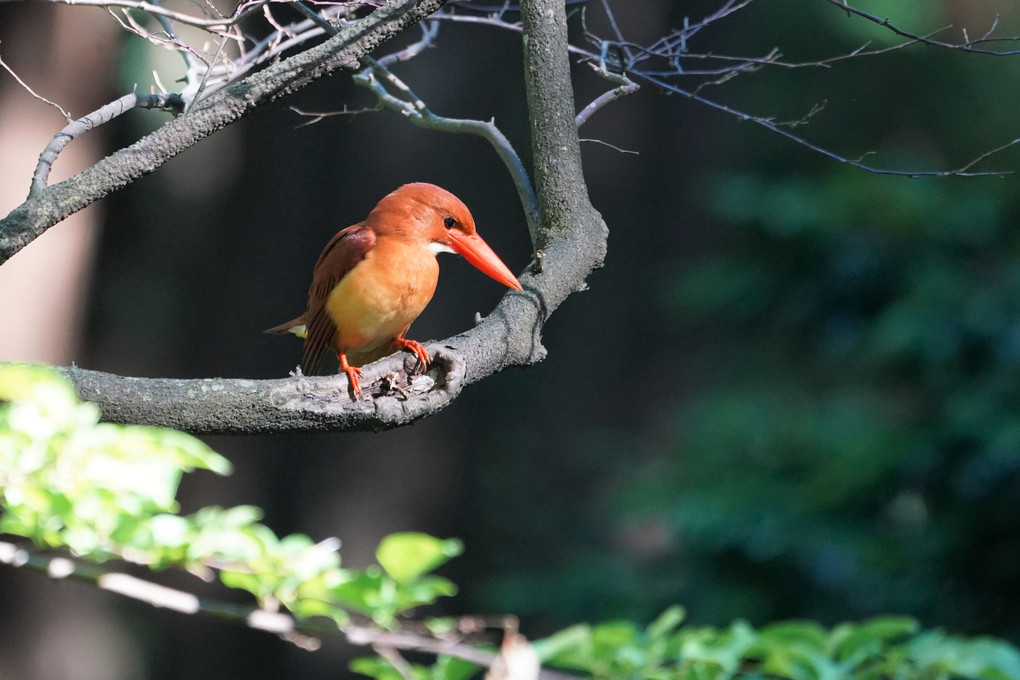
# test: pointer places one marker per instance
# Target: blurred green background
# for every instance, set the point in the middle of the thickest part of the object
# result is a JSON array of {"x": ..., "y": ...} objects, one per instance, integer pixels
[{"x": 792, "y": 392}]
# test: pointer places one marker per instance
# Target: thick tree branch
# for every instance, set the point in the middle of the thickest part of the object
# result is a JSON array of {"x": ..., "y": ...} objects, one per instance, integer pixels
[
  {"x": 296, "y": 404},
  {"x": 559, "y": 178},
  {"x": 49, "y": 206}
]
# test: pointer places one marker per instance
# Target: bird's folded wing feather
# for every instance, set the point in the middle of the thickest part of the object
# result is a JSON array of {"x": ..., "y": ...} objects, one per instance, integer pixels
[{"x": 342, "y": 253}]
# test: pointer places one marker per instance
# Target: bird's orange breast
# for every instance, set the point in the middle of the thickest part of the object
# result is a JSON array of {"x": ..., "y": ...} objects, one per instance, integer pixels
[{"x": 379, "y": 298}]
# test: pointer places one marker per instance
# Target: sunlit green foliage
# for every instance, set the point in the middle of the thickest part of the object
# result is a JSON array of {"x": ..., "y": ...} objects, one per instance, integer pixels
[
  {"x": 445, "y": 668},
  {"x": 880, "y": 648},
  {"x": 887, "y": 647},
  {"x": 108, "y": 491},
  {"x": 402, "y": 583},
  {"x": 67, "y": 480}
]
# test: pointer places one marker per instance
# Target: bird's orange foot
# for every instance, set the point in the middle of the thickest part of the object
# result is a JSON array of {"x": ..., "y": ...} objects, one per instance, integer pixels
[
  {"x": 416, "y": 347},
  {"x": 353, "y": 375}
]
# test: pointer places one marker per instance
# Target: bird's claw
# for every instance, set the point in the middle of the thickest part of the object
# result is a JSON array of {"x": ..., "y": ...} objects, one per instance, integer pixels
[
  {"x": 353, "y": 376},
  {"x": 417, "y": 348}
]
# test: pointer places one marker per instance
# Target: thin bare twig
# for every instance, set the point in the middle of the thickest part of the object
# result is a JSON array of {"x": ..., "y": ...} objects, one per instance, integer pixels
[
  {"x": 967, "y": 45},
  {"x": 964, "y": 170},
  {"x": 205, "y": 76},
  {"x": 611, "y": 146},
  {"x": 625, "y": 86},
  {"x": 32, "y": 92},
  {"x": 168, "y": 28},
  {"x": 264, "y": 51},
  {"x": 690, "y": 30},
  {"x": 498, "y": 23},
  {"x": 317, "y": 116},
  {"x": 167, "y": 40},
  {"x": 208, "y": 77},
  {"x": 316, "y": 17},
  {"x": 418, "y": 113},
  {"x": 211, "y": 23},
  {"x": 429, "y": 31}
]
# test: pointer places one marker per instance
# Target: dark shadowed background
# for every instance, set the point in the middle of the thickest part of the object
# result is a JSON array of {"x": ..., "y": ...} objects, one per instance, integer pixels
[{"x": 791, "y": 392}]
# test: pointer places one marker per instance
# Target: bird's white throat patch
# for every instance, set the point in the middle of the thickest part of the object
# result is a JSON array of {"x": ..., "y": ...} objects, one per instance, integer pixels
[{"x": 435, "y": 247}]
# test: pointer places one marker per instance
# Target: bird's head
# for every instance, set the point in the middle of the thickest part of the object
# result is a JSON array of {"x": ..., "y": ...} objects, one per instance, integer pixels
[{"x": 441, "y": 222}]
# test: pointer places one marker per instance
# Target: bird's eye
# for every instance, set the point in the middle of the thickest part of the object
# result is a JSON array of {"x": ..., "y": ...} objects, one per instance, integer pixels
[{"x": 449, "y": 222}]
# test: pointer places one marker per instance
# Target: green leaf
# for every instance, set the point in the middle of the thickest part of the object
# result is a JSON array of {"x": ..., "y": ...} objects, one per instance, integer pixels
[
  {"x": 240, "y": 580},
  {"x": 441, "y": 625},
  {"x": 449, "y": 668},
  {"x": 666, "y": 623},
  {"x": 381, "y": 669},
  {"x": 362, "y": 591},
  {"x": 229, "y": 534},
  {"x": 725, "y": 648},
  {"x": 618, "y": 647},
  {"x": 799, "y": 633},
  {"x": 853, "y": 643},
  {"x": 407, "y": 556},
  {"x": 942, "y": 655},
  {"x": 423, "y": 591},
  {"x": 308, "y": 608},
  {"x": 572, "y": 647}
]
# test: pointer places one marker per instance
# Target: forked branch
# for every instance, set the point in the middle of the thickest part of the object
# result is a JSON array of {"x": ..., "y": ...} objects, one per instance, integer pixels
[{"x": 166, "y": 102}]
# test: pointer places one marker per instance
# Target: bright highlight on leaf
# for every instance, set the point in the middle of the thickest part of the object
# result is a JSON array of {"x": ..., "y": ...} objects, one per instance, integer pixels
[
  {"x": 407, "y": 556},
  {"x": 68, "y": 480}
]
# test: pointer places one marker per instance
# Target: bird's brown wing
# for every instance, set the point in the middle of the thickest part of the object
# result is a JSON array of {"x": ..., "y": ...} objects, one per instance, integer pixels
[{"x": 342, "y": 253}]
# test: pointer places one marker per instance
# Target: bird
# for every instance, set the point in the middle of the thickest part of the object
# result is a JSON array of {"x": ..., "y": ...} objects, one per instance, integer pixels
[{"x": 374, "y": 278}]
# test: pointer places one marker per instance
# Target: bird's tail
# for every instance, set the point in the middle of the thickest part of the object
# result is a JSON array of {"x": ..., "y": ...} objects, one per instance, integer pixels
[{"x": 295, "y": 326}]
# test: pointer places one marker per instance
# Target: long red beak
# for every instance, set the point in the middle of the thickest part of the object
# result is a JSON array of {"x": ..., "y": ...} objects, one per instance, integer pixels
[{"x": 476, "y": 251}]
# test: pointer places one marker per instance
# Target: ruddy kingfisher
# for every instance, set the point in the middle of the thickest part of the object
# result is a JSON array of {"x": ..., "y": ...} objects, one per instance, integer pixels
[{"x": 375, "y": 277}]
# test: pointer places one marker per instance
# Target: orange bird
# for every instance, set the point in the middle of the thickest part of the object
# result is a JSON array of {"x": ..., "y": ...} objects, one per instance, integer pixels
[{"x": 375, "y": 277}]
